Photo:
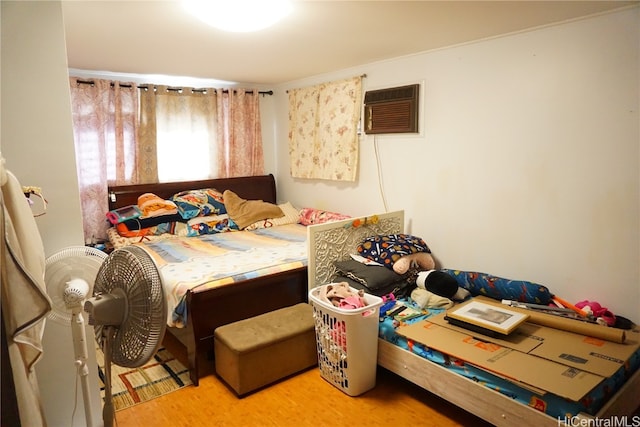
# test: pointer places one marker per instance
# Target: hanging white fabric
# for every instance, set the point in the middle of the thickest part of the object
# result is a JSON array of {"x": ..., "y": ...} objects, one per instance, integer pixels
[{"x": 24, "y": 300}]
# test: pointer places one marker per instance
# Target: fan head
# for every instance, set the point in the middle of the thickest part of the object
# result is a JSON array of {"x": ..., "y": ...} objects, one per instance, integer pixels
[
  {"x": 128, "y": 296},
  {"x": 76, "y": 292},
  {"x": 69, "y": 277}
]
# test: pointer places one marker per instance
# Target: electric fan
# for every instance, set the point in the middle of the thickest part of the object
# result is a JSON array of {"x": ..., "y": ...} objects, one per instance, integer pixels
[
  {"x": 69, "y": 277},
  {"x": 128, "y": 312}
]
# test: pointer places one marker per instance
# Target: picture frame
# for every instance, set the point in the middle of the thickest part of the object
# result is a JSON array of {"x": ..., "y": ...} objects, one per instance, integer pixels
[{"x": 491, "y": 318}]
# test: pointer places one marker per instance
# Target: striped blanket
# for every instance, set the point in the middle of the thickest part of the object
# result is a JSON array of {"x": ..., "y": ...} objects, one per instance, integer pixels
[{"x": 210, "y": 261}]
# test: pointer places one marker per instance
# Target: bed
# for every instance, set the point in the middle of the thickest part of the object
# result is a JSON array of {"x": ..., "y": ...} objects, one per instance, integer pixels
[
  {"x": 213, "y": 304},
  {"x": 336, "y": 241}
]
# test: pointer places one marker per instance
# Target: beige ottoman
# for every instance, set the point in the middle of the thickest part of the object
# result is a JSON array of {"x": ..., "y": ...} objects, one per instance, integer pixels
[{"x": 254, "y": 352}]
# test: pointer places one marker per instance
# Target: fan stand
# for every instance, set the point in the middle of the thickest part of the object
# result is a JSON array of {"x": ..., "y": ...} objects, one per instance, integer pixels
[
  {"x": 81, "y": 356},
  {"x": 69, "y": 277},
  {"x": 108, "y": 412},
  {"x": 129, "y": 312}
]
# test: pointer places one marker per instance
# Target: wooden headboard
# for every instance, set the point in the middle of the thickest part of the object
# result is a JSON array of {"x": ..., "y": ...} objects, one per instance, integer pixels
[{"x": 262, "y": 187}]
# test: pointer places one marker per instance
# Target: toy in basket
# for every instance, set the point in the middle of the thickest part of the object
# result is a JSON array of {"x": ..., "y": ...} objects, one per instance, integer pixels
[{"x": 347, "y": 341}]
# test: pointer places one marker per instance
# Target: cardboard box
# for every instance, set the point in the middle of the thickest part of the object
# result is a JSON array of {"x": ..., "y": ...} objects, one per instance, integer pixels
[
  {"x": 589, "y": 354},
  {"x": 564, "y": 363},
  {"x": 517, "y": 366}
]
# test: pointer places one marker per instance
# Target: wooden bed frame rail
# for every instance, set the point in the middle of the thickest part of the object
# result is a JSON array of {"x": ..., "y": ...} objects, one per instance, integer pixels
[
  {"x": 491, "y": 406},
  {"x": 209, "y": 310}
]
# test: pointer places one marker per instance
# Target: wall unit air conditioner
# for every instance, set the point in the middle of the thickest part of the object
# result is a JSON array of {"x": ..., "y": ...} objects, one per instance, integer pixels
[{"x": 392, "y": 110}]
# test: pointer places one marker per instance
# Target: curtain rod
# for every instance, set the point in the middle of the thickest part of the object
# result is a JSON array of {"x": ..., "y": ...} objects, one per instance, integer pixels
[
  {"x": 176, "y": 89},
  {"x": 362, "y": 76}
]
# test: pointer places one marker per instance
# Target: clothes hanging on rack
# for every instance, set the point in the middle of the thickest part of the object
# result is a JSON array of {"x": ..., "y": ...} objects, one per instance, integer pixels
[
  {"x": 37, "y": 192},
  {"x": 24, "y": 300}
]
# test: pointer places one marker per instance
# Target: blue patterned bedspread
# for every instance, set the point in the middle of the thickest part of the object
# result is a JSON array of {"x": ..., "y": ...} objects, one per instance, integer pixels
[
  {"x": 548, "y": 403},
  {"x": 214, "y": 260}
]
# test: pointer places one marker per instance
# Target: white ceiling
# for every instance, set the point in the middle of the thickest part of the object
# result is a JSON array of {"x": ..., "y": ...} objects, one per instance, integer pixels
[{"x": 159, "y": 37}]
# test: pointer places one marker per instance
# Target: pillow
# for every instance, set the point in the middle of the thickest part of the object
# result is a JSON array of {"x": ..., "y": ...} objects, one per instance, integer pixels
[
  {"x": 399, "y": 289},
  {"x": 291, "y": 216},
  {"x": 387, "y": 249},
  {"x": 141, "y": 223},
  {"x": 310, "y": 216},
  {"x": 210, "y": 225},
  {"x": 152, "y": 206},
  {"x": 371, "y": 276},
  {"x": 245, "y": 212},
  {"x": 203, "y": 202},
  {"x": 178, "y": 228}
]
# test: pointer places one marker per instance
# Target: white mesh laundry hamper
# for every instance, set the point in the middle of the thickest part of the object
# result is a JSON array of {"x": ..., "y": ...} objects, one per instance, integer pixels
[{"x": 347, "y": 343}]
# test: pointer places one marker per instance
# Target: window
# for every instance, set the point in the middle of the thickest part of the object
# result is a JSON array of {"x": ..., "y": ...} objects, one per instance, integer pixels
[{"x": 130, "y": 134}]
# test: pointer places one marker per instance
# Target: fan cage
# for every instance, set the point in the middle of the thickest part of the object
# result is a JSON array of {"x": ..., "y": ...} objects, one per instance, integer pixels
[
  {"x": 73, "y": 262},
  {"x": 138, "y": 338}
]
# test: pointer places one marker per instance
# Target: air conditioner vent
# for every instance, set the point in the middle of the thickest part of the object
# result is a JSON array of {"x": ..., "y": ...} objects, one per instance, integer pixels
[{"x": 393, "y": 110}]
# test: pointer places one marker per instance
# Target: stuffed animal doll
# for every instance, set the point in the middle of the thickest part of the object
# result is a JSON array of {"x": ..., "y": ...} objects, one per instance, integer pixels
[
  {"x": 436, "y": 289},
  {"x": 419, "y": 261},
  {"x": 440, "y": 283}
]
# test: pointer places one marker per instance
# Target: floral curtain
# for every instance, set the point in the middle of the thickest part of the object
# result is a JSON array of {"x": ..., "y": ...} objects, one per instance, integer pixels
[
  {"x": 105, "y": 129},
  {"x": 239, "y": 133},
  {"x": 323, "y": 130}
]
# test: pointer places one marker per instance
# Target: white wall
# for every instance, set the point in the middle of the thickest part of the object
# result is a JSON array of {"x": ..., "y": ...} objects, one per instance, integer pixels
[
  {"x": 37, "y": 143},
  {"x": 527, "y": 166}
]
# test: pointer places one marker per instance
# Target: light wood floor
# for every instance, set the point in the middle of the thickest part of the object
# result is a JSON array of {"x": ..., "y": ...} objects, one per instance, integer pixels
[{"x": 301, "y": 400}]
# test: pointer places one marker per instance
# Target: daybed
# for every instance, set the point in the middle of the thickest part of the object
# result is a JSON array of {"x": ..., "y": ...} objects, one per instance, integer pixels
[
  {"x": 444, "y": 375},
  {"x": 223, "y": 301}
]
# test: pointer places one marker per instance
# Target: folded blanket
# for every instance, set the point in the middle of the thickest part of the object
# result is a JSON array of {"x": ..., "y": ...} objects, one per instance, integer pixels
[{"x": 152, "y": 206}]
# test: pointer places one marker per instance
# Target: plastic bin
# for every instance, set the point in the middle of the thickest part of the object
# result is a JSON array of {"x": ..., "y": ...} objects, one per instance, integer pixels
[{"x": 347, "y": 343}]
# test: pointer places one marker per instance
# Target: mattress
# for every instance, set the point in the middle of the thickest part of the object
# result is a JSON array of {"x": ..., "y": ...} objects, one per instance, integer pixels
[
  {"x": 201, "y": 263},
  {"x": 548, "y": 403}
]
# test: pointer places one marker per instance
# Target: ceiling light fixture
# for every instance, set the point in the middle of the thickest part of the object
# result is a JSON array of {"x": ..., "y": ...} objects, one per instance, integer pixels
[{"x": 239, "y": 15}]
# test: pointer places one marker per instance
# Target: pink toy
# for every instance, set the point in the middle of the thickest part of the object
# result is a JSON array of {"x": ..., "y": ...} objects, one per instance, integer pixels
[
  {"x": 388, "y": 297},
  {"x": 602, "y": 314}
]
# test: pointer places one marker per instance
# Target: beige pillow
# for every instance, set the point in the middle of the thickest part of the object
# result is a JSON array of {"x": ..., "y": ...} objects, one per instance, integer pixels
[
  {"x": 291, "y": 216},
  {"x": 245, "y": 212}
]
